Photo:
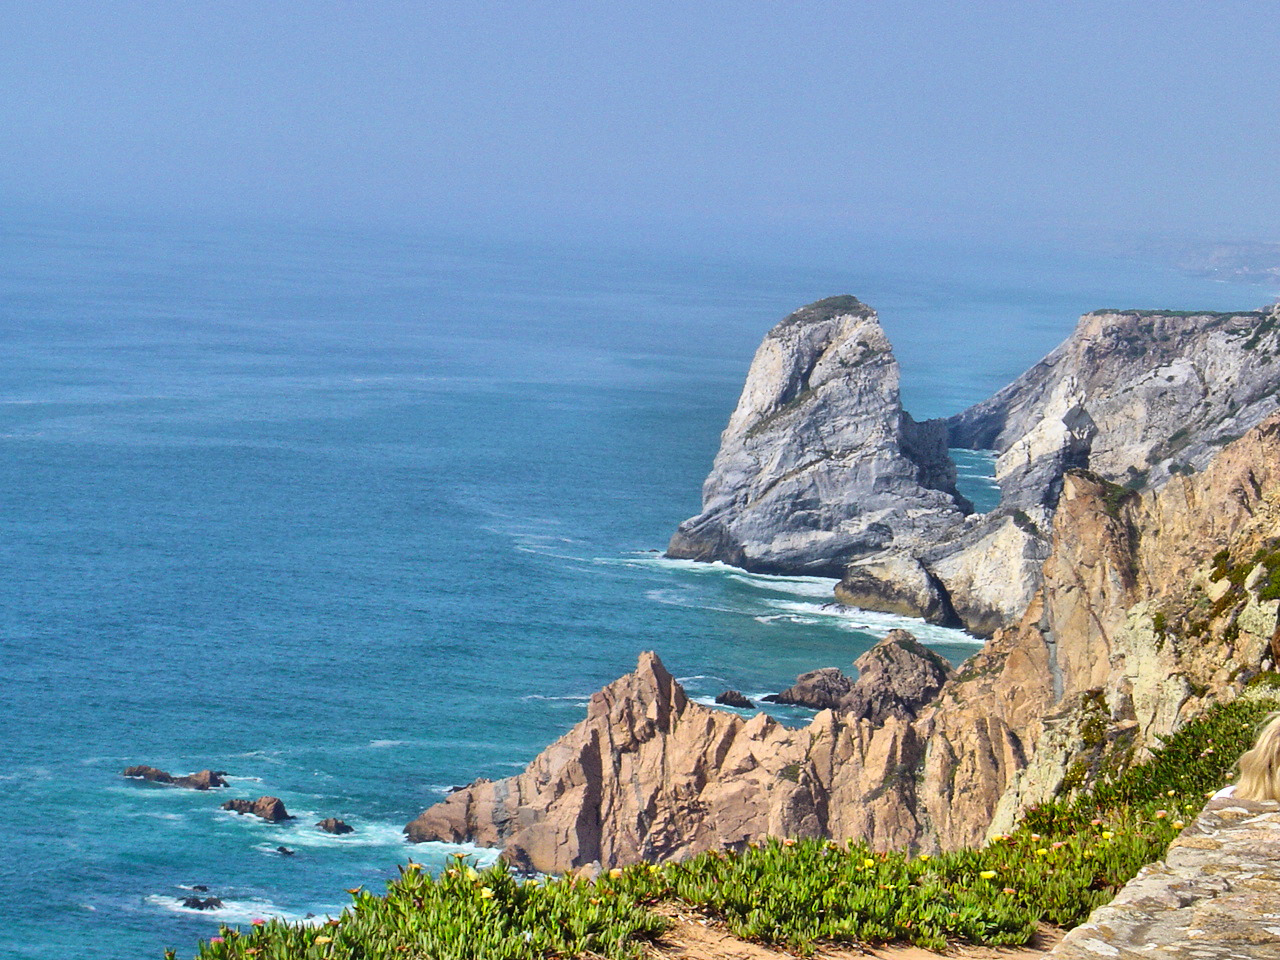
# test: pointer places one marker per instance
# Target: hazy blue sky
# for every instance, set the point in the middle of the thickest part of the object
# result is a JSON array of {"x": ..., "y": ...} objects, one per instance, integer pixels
[{"x": 907, "y": 117}]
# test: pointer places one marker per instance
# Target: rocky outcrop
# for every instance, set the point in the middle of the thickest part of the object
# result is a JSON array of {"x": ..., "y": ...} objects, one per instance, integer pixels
[
  {"x": 819, "y": 464},
  {"x": 822, "y": 689},
  {"x": 821, "y": 471},
  {"x": 270, "y": 809},
  {"x": 896, "y": 582},
  {"x": 1153, "y": 605},
  {"x": 1213, "y": 897},
  {"x": 650, "y": 775},
  {"x": 896, "y": 678},
  {"x": 202, "y": 903},
  {"x": 732, "y": 698},
  {"x": 1133, "y": 395},
  {"x": 204, "y": 780},
  {"x": 335, "y": 826}
]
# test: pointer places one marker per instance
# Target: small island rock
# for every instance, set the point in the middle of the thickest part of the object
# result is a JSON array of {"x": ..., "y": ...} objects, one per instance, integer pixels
[
  {"x": 334, "y": 825},
  {"x": 203, "y": 780},
  {"x": 818, "y": 689},
  {"x": 270, "y": 809},
  {"x": 732, "y": 698},
  {"x": 202, "y": 903}
]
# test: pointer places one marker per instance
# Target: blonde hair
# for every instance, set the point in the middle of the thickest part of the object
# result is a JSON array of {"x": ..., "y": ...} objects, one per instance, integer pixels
[{"x": 1260, "y": 766}]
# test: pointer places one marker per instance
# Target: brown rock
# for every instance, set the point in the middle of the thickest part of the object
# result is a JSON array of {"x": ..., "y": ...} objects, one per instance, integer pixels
[
  {"x": 896, "y": 678},
  {"x": 650, "y": 775},
  {"x": 270, "y": 809},
  {"x": 732, "y": 698},
  {"x": 203, "y": 780},
  {"x": 334, "y": 825},
  {"x": 202, "y": 903},
  {"x": 823, "y": 689}
]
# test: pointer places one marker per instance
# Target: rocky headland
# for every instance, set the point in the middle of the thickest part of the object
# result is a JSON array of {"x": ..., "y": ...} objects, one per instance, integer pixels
[
  {"x": 1155, "y": 594},
  {"x": 820, "y": 470}
]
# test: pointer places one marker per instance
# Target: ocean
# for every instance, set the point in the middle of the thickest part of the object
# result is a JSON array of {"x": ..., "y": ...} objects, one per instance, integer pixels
[{"x": 356, "y": 517}]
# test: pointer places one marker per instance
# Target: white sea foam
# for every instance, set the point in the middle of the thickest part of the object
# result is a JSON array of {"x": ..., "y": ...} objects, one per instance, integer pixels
[
  {"x": 237, "y": 911},
  {"x": 571, "y": 698},
  {"x": 869, "y": 621},
  {"x": 388, "y": 743}
]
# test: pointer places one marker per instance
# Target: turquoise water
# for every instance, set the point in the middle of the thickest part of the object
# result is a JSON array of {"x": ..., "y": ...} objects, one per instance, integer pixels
[{"x": 356, "y": 518}]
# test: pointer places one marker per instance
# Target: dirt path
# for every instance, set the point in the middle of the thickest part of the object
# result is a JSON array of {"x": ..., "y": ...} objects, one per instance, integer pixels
[{"x": 692, "y": 938}]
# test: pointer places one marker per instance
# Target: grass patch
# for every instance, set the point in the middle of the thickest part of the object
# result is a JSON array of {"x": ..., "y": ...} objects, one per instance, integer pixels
[{"x": 1066, "y": 858}]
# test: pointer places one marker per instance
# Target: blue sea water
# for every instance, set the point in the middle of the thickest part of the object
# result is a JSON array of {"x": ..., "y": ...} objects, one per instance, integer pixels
[{"x": 357, "y": 517}]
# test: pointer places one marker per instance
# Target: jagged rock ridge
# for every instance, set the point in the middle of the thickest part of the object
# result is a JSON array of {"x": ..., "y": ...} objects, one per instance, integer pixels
[{"x": 819, "y": 464}]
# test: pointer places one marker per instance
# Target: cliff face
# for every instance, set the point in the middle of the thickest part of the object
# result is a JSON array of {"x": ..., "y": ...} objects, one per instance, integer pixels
[
  {"x": 1151, "y": 605},
  {"x": 819, "y": 464},
  {"x": 1135, "y": 396}
]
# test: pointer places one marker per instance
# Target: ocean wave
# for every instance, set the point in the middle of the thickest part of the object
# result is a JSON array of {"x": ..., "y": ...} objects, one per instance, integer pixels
[
  {"x": 872, "y": 622},
  {"x": 379, "y": 744},
  {"x": 237, "y": 911},
  {"x": 571, "y": 698}
]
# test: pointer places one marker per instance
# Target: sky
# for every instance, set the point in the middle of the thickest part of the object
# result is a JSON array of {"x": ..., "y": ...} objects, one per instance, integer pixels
[{"x": 908, "y": 118}]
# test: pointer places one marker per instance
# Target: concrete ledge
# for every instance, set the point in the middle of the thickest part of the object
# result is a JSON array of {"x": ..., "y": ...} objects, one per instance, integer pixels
[{"x": 1215, "y": 896}]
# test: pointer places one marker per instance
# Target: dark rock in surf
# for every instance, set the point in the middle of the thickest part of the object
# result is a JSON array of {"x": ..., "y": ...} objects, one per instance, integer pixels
[
  {"x": 202, "y": 903},
  {"x": 732, "y": 698},
  {"x": 270, "y": 809},
  {"x": 284, "y": 851},
  {"x": 334, "y": 825},
  {"x": 203, "y": 780},
  {"x": 818, "y": 690}
]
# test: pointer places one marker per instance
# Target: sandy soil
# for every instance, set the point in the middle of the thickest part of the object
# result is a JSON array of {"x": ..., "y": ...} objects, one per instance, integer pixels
[{"x": 692, "y": 938}]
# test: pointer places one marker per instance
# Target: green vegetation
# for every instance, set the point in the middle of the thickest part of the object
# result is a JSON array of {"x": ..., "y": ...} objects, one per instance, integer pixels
[{"x": 1066, "y": 858}]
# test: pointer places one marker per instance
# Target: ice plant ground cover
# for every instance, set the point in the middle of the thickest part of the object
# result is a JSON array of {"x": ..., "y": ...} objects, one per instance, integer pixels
[{"x": 1065, "y": 859}]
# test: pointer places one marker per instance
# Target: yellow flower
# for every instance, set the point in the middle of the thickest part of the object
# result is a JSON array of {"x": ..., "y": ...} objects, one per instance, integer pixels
[
  {"x": 323, "y": 940},
  {"x": 988, "y": 874},
  {"x": 924, "y": 858},
  {"x": 788, "y": 842},
  {"x": 1171, "y": 793},
  {"x": 1042, "y": 852},
  {"x": 868, "y": 863},
  {"x": 1107, "y": 834},
  {"x": 1161, "y": 814},
  {"x": 486, "y": 893},
  {"x": 615, "y": 873},
  {"x": 654, "y": 868},
  {"x": 1178, "y": 824}
]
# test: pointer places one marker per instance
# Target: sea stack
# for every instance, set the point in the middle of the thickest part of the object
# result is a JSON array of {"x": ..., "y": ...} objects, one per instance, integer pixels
[{"x": 819, "y": 464}]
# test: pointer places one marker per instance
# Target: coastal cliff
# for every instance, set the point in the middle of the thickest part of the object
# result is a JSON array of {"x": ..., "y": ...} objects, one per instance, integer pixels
[
  {"x": 1152, "y": 605},
  {"x": 820, "y": 470},
  {"x": 819, "y": 464}
]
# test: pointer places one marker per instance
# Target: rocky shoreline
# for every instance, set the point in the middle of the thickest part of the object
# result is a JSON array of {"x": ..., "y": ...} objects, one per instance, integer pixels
[{"x": 1129, "y": 578}]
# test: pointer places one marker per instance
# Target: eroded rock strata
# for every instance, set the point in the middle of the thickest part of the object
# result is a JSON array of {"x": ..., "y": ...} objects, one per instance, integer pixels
[{"x": 1152, "y": 605}]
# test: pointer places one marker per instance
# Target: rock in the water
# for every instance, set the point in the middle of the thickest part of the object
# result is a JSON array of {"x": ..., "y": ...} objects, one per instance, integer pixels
[
  {"x": 334, "y": 825},
  {"x": 732, "y": 698},
  {"x": 268, "y": 808},
  {"x": 202, "y": 903},
  {"x": 897, "y": 677},
  {"x": 896, "y": 582},
  {"x": 203, "y": 780},
  {"x": 199, "y": 888},
  {"x": 284, "y": 851},
  {"x": 818, "y": 690},
  {"x": 820, "y": 465}
]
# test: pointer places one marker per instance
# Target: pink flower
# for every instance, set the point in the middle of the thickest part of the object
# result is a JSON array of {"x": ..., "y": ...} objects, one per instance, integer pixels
[
  {"x": 217, "y": 940},
  {"x": 257, "y": 921}
]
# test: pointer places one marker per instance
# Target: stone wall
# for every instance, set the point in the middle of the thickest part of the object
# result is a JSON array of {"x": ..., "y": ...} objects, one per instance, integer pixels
[{"x": 1215, "y": 896}]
